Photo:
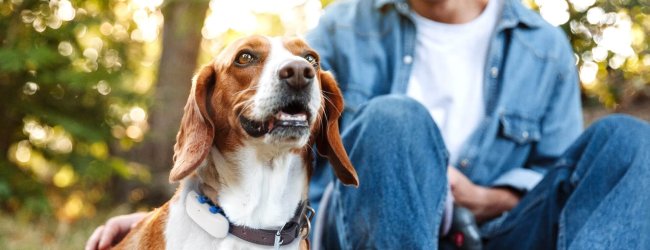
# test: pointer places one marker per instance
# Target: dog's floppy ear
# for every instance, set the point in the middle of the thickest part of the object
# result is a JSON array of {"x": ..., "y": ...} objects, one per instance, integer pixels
[
  {"x": 328, "y": 140},
  {"x": 194, "y": 138}
]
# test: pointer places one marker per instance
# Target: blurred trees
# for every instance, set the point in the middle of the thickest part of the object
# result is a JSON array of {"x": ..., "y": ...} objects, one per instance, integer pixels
[
  {"x": 181, "y": 40},
  {"x": 91, "y": 94},
  {"x": 610, "y": 40},
  {"x": 72, "y": 92}
]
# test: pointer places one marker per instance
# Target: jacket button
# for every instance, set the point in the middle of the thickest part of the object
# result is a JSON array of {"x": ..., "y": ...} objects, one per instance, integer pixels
[
  {"x": 524, "y": 135},
  {"x": 403, "y": 7},
  {"x": 407, "y": 59},
  {"x": 494, "y": 72},
  {"x": 464, "y": 163}
]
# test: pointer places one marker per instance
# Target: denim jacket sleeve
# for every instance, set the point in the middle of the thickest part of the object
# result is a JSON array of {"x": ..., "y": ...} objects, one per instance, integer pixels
[
  {"x": 319, "y": 39},
  {"x": 561, "y": 124}
]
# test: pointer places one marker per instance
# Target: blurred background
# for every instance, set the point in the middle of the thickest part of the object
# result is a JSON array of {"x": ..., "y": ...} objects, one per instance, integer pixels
[{"x": 91, "y": 94}]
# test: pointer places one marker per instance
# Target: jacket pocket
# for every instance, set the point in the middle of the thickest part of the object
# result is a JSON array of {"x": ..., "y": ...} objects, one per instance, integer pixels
[
  {"x": 510, "y": 147},
  {"x": 519, "y": 129}
]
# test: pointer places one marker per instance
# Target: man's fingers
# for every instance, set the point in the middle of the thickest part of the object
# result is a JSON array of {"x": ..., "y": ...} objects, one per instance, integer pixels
[
  {"x": 135, "y": 218},
  {"x": 111, "y": 230},
  {"x": 452, "y": 176},
  {"x": 114, "y": 231},
  {"x": 92, "y": 242}
]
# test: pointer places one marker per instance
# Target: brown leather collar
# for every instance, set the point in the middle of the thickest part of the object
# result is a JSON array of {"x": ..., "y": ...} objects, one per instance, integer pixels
[
  {"x": 268, "y": 237},
  {"x": 284, "y": 236}
]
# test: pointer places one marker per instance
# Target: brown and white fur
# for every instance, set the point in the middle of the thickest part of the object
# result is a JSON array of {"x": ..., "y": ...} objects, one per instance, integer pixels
[{"x": 258, "y": 178}]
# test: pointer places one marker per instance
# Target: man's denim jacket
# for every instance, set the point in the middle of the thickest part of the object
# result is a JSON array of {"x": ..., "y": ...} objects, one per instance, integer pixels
[{"x": 532, "y": 96}]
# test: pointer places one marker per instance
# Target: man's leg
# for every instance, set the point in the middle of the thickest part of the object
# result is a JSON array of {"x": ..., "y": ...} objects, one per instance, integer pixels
[
  {"x": 598, "y": 197},
  {"x": 401, "y": 160}
]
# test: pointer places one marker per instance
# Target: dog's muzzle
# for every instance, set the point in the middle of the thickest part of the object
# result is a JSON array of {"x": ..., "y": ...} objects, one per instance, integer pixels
[{"x": 291, "y": 117}]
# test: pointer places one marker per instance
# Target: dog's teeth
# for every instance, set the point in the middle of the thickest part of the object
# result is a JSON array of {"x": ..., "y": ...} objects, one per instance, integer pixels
[{"x": 287, "y": 117}]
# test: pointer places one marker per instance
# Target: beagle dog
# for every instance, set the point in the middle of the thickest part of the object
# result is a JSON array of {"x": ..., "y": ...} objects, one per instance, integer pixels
[{"x": 243, "y": 154}]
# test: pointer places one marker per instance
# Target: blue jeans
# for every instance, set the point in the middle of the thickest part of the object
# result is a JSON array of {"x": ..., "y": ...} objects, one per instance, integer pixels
[{"x": 596, "y": 197}]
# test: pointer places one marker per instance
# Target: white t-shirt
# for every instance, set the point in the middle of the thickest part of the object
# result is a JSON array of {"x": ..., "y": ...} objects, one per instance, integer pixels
[{"x": 448, "y": 72}]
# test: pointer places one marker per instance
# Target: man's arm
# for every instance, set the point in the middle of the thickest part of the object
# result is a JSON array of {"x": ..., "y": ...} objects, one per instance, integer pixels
[{"x": 484, "y": 202}]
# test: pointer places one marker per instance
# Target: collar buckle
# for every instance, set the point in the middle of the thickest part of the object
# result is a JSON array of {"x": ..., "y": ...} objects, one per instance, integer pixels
[
  {"x": 277, "y": 242},
  {"x": 307, "y": 216}
]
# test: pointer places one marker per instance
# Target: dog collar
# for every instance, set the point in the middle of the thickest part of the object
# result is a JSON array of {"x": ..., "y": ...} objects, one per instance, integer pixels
[{"x": 211, "y": 218}]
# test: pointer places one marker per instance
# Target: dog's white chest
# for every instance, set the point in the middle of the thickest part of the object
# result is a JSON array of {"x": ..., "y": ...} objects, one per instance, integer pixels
[{"x": 259, "y": 198}]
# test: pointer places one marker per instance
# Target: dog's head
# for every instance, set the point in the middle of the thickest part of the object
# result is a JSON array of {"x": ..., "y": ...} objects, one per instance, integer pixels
[{"x": 266, "y": 93}]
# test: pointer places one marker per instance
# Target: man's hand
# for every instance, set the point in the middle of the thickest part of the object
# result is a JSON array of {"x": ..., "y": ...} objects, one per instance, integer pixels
[
  {"x": 113, "y": 232},
  {"x": 485, "y": 203}
]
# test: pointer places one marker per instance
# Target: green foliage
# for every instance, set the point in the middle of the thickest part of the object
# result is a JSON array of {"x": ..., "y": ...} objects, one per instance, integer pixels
[
  {"x": 66, "y": 87},
  {"x": 621, "y": 80},
  {"x": 75, "y": 81},
  {"x": 611, "y": 45}
]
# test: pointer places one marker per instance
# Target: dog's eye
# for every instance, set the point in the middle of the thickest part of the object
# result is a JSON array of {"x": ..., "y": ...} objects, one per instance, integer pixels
[
  {"x": 311, "y": 59},
  {"x": 244, "y": 58}
]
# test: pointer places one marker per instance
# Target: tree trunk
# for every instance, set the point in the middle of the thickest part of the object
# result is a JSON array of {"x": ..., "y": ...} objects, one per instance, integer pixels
[{"x": 180, "y": 49}]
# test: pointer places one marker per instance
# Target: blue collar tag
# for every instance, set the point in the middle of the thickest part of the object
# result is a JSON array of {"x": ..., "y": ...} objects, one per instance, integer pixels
[{"x": 215, "y": 224}]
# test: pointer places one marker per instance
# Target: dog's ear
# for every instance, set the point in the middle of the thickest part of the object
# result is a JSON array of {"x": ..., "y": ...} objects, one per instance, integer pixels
[
  {"x": 328, "y": 140},
  {"x": 195, "y": 136}
]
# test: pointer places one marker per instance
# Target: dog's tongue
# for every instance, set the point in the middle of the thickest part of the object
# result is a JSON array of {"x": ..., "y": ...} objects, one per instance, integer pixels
[{"x": 270, "y": 124}]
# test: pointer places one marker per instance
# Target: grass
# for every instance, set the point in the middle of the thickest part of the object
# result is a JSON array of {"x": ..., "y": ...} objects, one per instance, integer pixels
[{"x": 48, "y": 233}]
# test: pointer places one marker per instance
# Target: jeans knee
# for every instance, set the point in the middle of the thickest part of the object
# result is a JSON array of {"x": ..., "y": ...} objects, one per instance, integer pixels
[
  {"x": 393, "y": 139},
  {"x": 624, "y": 139},
  {"x": 622, "y": 128},
  {"x": 396, "y": 123},
  {"x": 396, "y": 111}
]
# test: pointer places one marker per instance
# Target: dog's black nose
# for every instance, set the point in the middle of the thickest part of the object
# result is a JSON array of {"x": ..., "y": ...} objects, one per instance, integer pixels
[{"x": 297, "y": 74}]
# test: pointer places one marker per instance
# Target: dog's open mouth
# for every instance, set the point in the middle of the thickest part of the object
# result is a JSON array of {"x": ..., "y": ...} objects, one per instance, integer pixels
[{"x": 293, "y": 116}]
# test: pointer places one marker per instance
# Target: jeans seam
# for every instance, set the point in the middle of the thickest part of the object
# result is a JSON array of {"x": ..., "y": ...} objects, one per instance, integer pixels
[
  {"x": 442, "y": 151},
  {"x": 344, "y": 238},
  {"x": 440, "y": 212},
  {"x": 565, "y": 162},
  {"x": 507, "y": 224},
  {"x": 560, "y": 232}
]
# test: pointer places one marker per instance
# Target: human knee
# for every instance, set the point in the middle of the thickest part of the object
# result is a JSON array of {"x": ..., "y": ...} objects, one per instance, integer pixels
[
  {"x": 621, "y": 127},
  {"x": 395, "y": 123},
  {"x": 625, "y": 139},
  {"x": 395, "y": 110}
]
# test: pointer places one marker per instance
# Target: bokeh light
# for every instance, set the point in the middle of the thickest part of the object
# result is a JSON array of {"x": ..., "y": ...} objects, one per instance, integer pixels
[
  {"x": 228, "y": 20},
  {"x": 555, "y": 12}
]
